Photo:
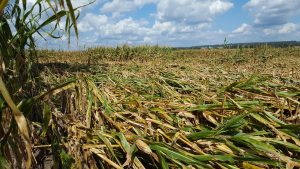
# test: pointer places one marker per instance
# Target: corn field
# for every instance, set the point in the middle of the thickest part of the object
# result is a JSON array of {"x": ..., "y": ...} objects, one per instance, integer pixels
[
  {"x": 175, "y": 109},
  {"x": 147, "y": 106}
]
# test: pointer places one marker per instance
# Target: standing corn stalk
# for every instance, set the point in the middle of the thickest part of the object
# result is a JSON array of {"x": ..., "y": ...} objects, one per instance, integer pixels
[{"x": 17, "y": 30}]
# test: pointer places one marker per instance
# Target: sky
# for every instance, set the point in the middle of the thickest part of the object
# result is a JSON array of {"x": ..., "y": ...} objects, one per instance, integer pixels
[{"x": 182, "y": 23}]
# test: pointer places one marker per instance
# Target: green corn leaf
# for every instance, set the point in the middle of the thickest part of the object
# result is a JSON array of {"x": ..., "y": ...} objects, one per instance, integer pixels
[
  {"x": 128, "y": 148},
  {"x": 254, "y": 144},
  {"x": 288, "y": 145},
  {"x": 175, "y": 155},
  {"x": 47, "y": 117},
  {"x": 109, "y": 146},
  {"x": 66, "y": 159},
  {"x": 201, "y": 135},
  {"x": 221, "y": 158},
  {"x": 288, "y": 94},
  {"x": 73, "y": 17},
  {"x": 163, "y": 162},
  {"x": 232, "y": 123},
  {"x": 51, "y": 19},
  {"x": 269, "y": 114},
  {"x": 258, "y": 159},
  {"x": 293, "y": 128},
  {"x": 4, "y": 163}
]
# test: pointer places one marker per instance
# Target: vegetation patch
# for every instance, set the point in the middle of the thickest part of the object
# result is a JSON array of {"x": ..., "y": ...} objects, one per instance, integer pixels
[
  {"x": 178, "y": 110},
  {"x": 141, "y": 107}
]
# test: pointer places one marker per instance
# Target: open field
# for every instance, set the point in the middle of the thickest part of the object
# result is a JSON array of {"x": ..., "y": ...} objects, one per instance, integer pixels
[
  {"x": 156, "y": 107},
  {"x": 151, "y": 107}
]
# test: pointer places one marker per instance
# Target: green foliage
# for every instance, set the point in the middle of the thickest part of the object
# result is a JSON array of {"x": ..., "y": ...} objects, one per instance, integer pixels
[
  {"x": 175, "y": 113},
  {"x": 240, "y": 56},
  {"x": 19, "y": 35},
  {"x": 18, "y": 26},
  {"x": 125, "y": 53},
  {"x": 146, "y": 129},
  {"x": 4, "y": 163},
  {"x": 226, "y": 44},
  {"x": 66, "y": 159}
]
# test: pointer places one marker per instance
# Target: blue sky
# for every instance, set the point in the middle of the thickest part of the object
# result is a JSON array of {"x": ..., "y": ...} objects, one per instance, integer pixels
[{"x": 185, "y": 22}]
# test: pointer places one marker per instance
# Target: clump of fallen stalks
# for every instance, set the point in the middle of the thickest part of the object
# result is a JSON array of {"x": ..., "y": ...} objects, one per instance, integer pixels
[
  {"x": 171, "y": 109},
  {"x": 152, "y": 123}
]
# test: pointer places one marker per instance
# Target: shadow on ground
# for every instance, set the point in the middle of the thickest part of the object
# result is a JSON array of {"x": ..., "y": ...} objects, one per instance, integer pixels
[{"x": 58, "y": 67}]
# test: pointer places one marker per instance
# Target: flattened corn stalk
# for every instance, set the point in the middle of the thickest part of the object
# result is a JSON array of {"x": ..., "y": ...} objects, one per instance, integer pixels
[{"x": 134, "y": 135}]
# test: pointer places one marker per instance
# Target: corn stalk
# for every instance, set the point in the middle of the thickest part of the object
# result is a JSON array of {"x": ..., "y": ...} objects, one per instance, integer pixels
[{"x": 18, "y": 26}]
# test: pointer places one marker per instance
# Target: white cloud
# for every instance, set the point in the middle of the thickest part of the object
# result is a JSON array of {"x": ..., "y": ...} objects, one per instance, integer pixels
[
  {"x": 191, "y": 11},
  {"x": 282, "y": 29},
  {"x": 273, "y": 12},
  {"x": 147, "y": 39},
  {"x": 104, "y": 30},
  {"x": 126, "y": 26},
  {"x": 272, "y": 18},
  {"x": 184, "y": 22},
  {"x": 117, "y": 7},
  {"x": 116, "y": 29},
  {"x": 102, "y": 26},
  {"x": 31, "y": 1},
  {"x": 244, "y": 28},
  {"x": 164, "y": 27},
  {"x": 288, "y": 28},
  {"x": 91, "y": 22},
  {"x": 269, "y": 31}
]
